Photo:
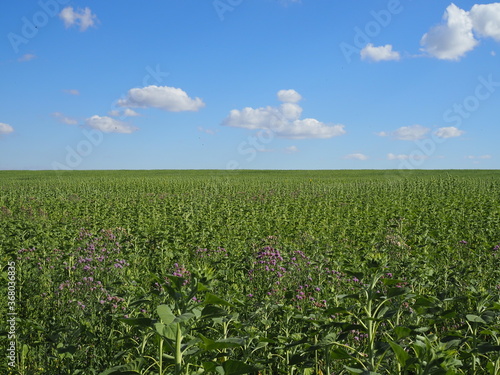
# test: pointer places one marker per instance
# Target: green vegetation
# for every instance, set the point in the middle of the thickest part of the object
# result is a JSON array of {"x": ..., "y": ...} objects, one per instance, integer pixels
[{"x": 258, "y": 272}]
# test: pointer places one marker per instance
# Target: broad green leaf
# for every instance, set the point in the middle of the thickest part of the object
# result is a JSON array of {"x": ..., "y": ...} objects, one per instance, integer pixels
[
  {"x": 233, "y": 367},
  {"x": 214, "y": 300},
  {"x": 212, "y": 311},
  {"x": 402, "y": 332},
  {"x": 182, "y": 318},
  {"x": 339, "y": 353},
  {"x": 165, "y": 314},
  {"x": 474, "y": 318},
  {"x": 486, "y": 347},
  {"x": 394, "y": 292},
  {"x": 400, "y": 353},
  {"x": 353, "y": 370}
]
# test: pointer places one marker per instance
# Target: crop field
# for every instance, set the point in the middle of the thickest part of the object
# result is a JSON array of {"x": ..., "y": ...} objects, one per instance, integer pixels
[{"x": 250, "y": 272}]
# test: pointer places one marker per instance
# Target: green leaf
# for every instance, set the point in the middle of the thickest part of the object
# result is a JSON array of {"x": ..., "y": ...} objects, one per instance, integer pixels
[
  {"x": 68, "y": 349},
  {"x": 402, "y": 332},
  {"x": 394, "y": 292},
  {"x": 167, "y": 331},
  {"x": 328, "y": 339},
  {"x": 209, "y": 366},
  {"x": 354, "y": 370},
  {"x": 212, "y": 311},
  {"x": 423, "y": 302},
  {"x": 214, "y": 300},
  {"x": 339, "y": 353},
  {"x": 475, "y": 318},
  {"x": 209, "y": 344},
  {"x": 233, "y": 367},
  {"x": 401, "y": 354},
  {"x": 486, "y": 347},
  {"x": 358, "y": 275},
  {"x": 165, "y": 314},
  {"x": 182, "y": 318}
]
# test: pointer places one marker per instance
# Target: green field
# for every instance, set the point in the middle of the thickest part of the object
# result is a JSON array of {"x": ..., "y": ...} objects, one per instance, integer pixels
[{"x": 235, "y": 272}]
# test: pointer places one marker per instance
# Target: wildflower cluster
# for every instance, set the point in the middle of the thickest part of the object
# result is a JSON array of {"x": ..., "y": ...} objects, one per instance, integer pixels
[
  {"x": 82, "y": 276},
  {"x": 284, "y": 276}
]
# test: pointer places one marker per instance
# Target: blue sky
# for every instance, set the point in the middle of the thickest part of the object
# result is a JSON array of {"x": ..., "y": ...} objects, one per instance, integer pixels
[{"x": 249, "y": 84}]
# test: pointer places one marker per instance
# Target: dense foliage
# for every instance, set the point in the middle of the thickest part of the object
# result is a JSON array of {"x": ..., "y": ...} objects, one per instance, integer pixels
[{"x": 270, "y": 272}]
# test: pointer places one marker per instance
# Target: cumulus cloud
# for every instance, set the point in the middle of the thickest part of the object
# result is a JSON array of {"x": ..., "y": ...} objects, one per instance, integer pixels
[
  {"x": 449, "y": 132},
  {"x": 109, "y": 125},
  {"x": 284, "y": 121},
  {"x": 289, "y": 96},
  {"x": 382, "y": 53},
  {"x": 84, "y": 18},
  {"x": 163, "y": 97},
  {"x": 458, "y": 33},
  {"x": 357, "y": 156},
  {"x": 453, "y": 39},
  {"x": 64, "y": 119},
  {"x": 486, "y": 20},
  {"x": 407, "y": 133},
  {"x": 5, "y": 128}
]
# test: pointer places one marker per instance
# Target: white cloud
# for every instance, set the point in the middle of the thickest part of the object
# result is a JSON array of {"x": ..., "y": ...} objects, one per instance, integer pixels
[
  {"x": 81, "y": 17},
  {"x": 407, "y": 133},
  {"x": 291, "y": 149},
  {"x": 357, "y": 156},
  {"x": 449, "y": 132},
  {"x": 5, "y": 128},
  {"x": 392, "y": 156},
  {"x": 452, "y": 40},
  {"x": 127, "y": 112},
  {"x": 130, "y": 113},
  {"x": 486, "y": 20},
  {"x": 162, "y": 97},
  {"x": 382, "y": 53},
  {"x": 64, "y": 119},
  {"x": 289, "y": 96},
  {"x": 109, "y": 125},
  {"x": 284, "y": 121},
  {"x": 459, "y": 32},
  {"x": 26, "y": 57},
  {"x": 72, "y": 92}
]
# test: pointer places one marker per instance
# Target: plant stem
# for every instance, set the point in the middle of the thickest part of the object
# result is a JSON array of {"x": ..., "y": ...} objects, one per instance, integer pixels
[{"x": 178, "y": 353}]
